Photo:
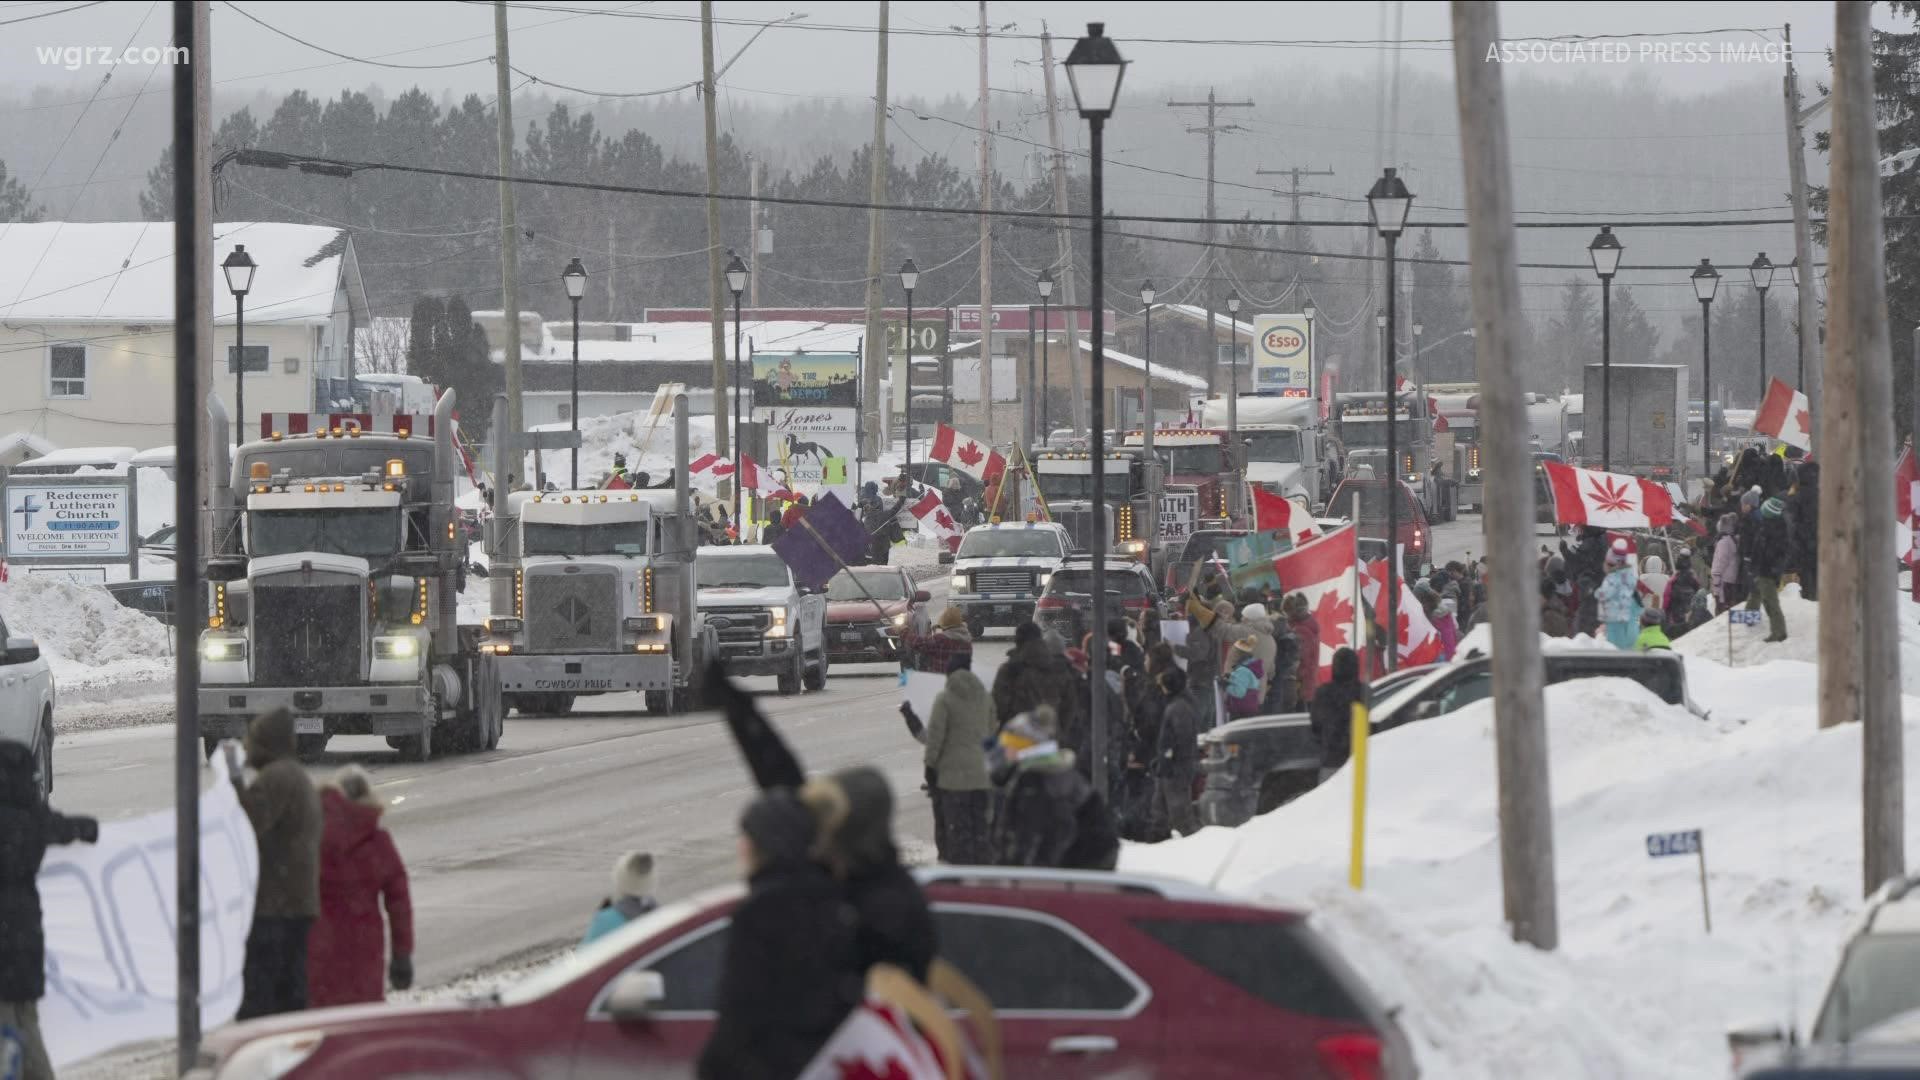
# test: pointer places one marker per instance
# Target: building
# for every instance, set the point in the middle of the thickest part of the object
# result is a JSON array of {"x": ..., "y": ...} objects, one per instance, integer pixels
[{"x": 86, "y": 325}]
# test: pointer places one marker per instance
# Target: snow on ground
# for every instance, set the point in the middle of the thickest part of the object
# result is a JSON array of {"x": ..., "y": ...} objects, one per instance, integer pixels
[
  {"x": 1750, "y": 648},
  {"x": 1637, "y": 988},
  {"x": 96, "y": 647}
]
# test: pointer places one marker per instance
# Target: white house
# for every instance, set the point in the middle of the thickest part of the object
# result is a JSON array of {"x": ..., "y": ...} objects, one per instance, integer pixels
[{"x": 86, "y": 325}]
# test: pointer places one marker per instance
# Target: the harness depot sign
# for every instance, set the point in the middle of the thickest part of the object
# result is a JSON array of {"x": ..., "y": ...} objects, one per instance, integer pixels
[{"x": 69, "y": 520}]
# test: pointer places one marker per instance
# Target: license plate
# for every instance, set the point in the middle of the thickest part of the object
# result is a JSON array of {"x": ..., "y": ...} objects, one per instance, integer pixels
[
  {"x": 309, "y": 725},
  {"x": 852, "y": 636},
  {"x": 1003, "y": 609}
]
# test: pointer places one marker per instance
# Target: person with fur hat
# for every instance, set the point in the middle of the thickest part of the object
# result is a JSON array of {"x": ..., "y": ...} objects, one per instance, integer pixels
[
  {"x": 1050, "y": 815},
  {"x": 1307, "y": 631},
  {"x": 360, "y": 870},
  {"x": 1619, "y": 597},
  {"x": 949, "y": 638},
  {"x": 285, "y": 812},
  {"x": 632, "y": 895},
  {"x": 28, "y": 827},
  {"x": 1766, "y": 562},
  {"x": 1176, "y": 757},
  {"x": 789, "y": 976},
  {"x": 1677, "y": 601},
  {"x": 1243, "y": 678},
  {"x": 1653, "y": 633},
  {"x": 1036, "y": 673}
]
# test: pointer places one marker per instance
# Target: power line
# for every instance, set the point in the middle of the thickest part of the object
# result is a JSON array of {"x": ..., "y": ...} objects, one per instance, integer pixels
[
  {"x": 46, "y": 14},
  {"x": 263, "y": 24}
]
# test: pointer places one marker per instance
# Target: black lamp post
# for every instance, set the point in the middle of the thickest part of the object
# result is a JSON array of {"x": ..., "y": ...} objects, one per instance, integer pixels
[
  {"x": 909, "y": 277},
  {"x": 1605, "y": 252},
  {"x": 1094, "y": 69},
  {"x": 1388, "y": 202},
  {"x": 1146, "y": 341},
  {"x": 575, "y": 279},
  {"x": 1312, "y": 387},
  {"x": 1045, "y": 285},
  {"x": 239, "y": 268},
  {"x": 737, "y": 283},
  {"x": 1762, "y": 271},
  {"x": 1706, "y": 281}
]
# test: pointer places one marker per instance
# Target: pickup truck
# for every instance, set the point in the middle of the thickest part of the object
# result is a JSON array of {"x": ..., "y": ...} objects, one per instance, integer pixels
[
  {"x": 26, "y": 702},
  {"x": 1001, "y": 570},
  {"x": 765, "y": 622},
  {"x": 1253, "y": 765}
]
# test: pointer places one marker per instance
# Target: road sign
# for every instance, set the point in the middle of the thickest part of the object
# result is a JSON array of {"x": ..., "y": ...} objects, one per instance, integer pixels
[
  {"x": 1660, "y": 845},
  {"x": 1744, "y": 617}
]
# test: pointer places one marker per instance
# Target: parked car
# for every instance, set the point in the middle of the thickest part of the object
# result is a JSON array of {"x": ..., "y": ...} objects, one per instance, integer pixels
[
  {"x": 1066, "y": 604},
  {"x": 26, "y": 701},
  {"x": 1413, "y": 534},
  {"x": 1253, "y": 765},
  {"x": 860, "y": 631},
  {"x": 148, "y": 596},
  {"x": 1091, "y": 974}
]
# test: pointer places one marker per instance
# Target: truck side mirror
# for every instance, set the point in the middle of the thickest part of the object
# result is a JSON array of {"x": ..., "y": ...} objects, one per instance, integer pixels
[
  {"x": 922, "y": 596},
  {"x": 946, "y": 558},
  {"x": 476, "y": 570}
]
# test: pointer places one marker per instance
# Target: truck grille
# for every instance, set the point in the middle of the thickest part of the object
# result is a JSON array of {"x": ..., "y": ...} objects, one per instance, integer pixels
[
  {"x": 572, "y": 608},
  {"x": 742, "y": 624},
  {"x": 1003, "y": 581},
  {"x": 307, "y": 635},
  {"x": 1079, "y": 524}
]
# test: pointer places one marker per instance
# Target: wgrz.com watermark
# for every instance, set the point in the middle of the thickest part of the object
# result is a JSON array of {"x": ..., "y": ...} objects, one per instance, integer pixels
[
  {"x": 1638, "y": 52},
  {"x": 75, "y": 57}
]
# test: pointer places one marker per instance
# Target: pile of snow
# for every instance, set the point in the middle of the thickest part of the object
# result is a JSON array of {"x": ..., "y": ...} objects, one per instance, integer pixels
[
  {"x": 1637, "y": 988},
  {"x": 1749, "y": 647},
  {"x": 94, "y": 644}
]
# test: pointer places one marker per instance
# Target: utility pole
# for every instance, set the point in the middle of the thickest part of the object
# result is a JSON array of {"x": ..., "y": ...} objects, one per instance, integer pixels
[
  {"x": 1520, "y": 732},
  {"x": 986, "y": 236},
  {"x": 1294, "y": 236},
  {"x": 1212, "y": 129},
  {"x": 509, "y": 231},
  {"x": 715, "y": 302},
  {"x": 754, "y": 168},
  {"x": 1068, "y": 286},
  {"x": 876, "y": 351},
  {"x": 1859, "y": 657},
  {"x": 1808, "y": 283},
  {"x": 613, "y": 269}
]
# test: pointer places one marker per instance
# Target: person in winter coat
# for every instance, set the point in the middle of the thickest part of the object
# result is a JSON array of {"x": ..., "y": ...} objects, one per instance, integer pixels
[
  {"x": 1653, "y": 633},
  {"x": 1176, "y": 757},
  {"x": 285, "y": 812},
  {"x": 1307, "y": 631},
  {"x": 1619, "y": 598},
  {"x": 1146, "y": 709},
  {"x": 1653, "y": 582},
  {"x": 962, "y": 722},
  {"x": 1587, "y": 555},
  {"x": 1586, "y": 617},
  {"x": 632, "y": 895},
  {"x": 1126, "y": 653},
  {"x": 1035, "y": 674},
  {"x": 1726, "y": 563},
  {"x": 790, "y": 975},
  {"x": 28, "y": 826},
  {"x": 1243, "y": 679},
  {"x": 1803, "y": 529},
  {"x": 950, "y": 638},
  {"x": 360, "y": 870},
  {"x": 1446, "y": 626},
  {"x": 1255, "y": 623},
  {"x": 1207, "y": 643},
  {"x": 1283, "y": 682},
  {"x": 1331, "y": 715},
  {"x": 1767, "y": 561},
  {"x": 1677, "y": 602},
  {"x": 1049, "y": 815},
  {"x": 1079, "y": 737},
  {"x": 1702, "y": 612},
  {"x": 1553, "y": 611}
]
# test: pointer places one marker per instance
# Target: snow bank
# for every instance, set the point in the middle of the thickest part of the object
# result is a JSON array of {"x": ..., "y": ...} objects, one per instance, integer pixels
[
  {"x": 1751, "y": 649},
  {"x": 95, "y": 645},
  {"x": 1637, "y": 988}
]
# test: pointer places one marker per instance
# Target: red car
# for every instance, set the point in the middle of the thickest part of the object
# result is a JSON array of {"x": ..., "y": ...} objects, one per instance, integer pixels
[
  {"x": 1091, "y": 974},
  {"x": 858, "y": 630}
]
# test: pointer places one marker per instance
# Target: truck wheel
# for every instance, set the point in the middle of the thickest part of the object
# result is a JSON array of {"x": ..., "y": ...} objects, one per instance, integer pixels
[
  {"x": 687, "y": 700},
  {"x": 310, "y": 747},
  {"x": 977, "y": 629},
  {"x": 659, "y": 702},
  {"x": 562, "y": 704},
  {"x": 790, "y": 679},
  {"x": 816, "y": 679}
]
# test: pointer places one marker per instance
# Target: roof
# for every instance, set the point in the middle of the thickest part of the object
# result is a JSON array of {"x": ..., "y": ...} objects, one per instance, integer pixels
[
  {"x": 34, "y": 445},
  {"x": 122, "y": 271},
  {"x": 1163, "y": 373},
  {"x": 84, "y": 455},
  {"x": 685, "y": 342},
  {"x": 1221, "y": 320}
]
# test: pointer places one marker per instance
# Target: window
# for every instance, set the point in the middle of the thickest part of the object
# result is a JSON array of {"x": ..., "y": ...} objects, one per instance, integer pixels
[
  {"x": 1129, "y": 585},
  {"x": 1273, "y": 961},
  {"x": 1010, "y": 543},
  {"x": 756, "y": 571},
  {"x": 623, "y": 332},
  {"x": 566, "y": 412},
  {"x": 67, "y": 372},
  {"x": 1660, "y": 678},
  {"x": 1466, "y": 691},
  {"x": 691, "y": 970},
  {"x": 257, "y": 358},
  {"x": 885, "y": 585},
  {"x": 1025, "y": 963}
]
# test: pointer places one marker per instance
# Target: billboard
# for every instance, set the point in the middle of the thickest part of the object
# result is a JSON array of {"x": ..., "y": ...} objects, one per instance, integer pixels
[
  {"x": 69, "y": 519},
  {"x": 1282, "y": 346},
  {"x": 812, "y": 451},
  {"x": 822, "y": 380}
]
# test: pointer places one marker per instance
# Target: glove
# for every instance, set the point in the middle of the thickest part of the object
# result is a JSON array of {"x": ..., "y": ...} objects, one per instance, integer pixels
[
  {"x": 932, "y": 777},
  {"x": 400, "y": 972}
]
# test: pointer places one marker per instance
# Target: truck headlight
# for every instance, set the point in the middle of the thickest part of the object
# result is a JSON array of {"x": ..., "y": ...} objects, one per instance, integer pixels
[
  {"x": 505, "y": 626},
  {"x": 958, "y": 584},
  {"x": 219, "y": 650},
  {"x": 900, "y": 620},
  {"x": 271, "y": 1058},
  {"x": 395, "y": 648},
  {"x": 779, "y": 627},
  {"x": 643, "y": 624}
]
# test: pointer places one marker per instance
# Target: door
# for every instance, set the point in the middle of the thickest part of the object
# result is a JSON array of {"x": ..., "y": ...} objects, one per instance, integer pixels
[
  {"x": 19, "y": 695},
  {"x": 1067, "y": 1007},
  {"x": 668, "y": 1041}
]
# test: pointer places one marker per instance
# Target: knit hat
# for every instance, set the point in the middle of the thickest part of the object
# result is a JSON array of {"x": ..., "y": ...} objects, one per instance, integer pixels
[
  {"x": 1750, "y": 498},
  {"x": 1773, "y": 507},
  {"x": 633, "y": 874},
  {"x": 1223, "y": 609},
  {"x": 1618, "y": 554},
  {"x": 951, "y": 617},
  {"x": 1254, "y": 611},
  {"x": 1037, "y": 725},
  {"x": 780, "y": 826},
  {"x": 353, "y": 782}
]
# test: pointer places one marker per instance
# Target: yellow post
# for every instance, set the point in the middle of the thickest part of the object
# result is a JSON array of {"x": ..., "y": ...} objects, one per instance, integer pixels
[{"x": 1356, "y": 872}]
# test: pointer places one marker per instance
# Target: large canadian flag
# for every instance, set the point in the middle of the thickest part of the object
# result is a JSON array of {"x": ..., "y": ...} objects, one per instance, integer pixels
[
  {"x": 1325, "y": 571},
  {"x": 1607, "y": 500},
  {"x": 1419, "y": 641},
  {"x": 1785, "y": 415},
  {"x": 1273, "y": 512},
  {"x": 967, "y": 454},
  {"x": 931, "y": 512}
]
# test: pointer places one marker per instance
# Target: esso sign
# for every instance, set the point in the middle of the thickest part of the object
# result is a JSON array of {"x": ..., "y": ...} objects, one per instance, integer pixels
[{"x": 1283, "y": 342}]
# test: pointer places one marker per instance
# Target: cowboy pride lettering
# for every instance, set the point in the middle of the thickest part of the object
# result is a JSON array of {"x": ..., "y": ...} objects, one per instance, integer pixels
[{"x": 52, "y": 520}]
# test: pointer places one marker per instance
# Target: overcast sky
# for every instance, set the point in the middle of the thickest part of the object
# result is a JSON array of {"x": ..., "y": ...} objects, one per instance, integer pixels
[{"x": 656, "y": 45}]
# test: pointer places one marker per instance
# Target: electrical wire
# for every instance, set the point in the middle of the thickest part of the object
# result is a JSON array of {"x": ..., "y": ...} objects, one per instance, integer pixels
[
  {"x": 49, "y": 14},
  {"x": 269, "y": 27}
]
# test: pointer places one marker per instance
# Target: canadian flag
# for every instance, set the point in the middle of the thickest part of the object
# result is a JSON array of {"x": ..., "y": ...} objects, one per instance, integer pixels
[
  {"x": 1419, "y": 641},
  {"x": 965, "y": 453},
  {"x": 710, "y": 465},
  {"x": 749, "y": 478},
  {"x": 879, "y": 1042},
  {"x": 1906, "y": 500},
  {"x": 1324, "y": 571},
  {"x": 1607, "y": 500},
  {"x": 1272, "y": 512},
  {"x": 931, "y": 512},
  {"x": 1785, "y": 415}
]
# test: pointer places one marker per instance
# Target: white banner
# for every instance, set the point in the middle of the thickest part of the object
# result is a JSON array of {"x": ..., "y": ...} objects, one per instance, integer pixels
[
  {"x": 1178, "y": 510},
  {"x": 109, "y": 918}
]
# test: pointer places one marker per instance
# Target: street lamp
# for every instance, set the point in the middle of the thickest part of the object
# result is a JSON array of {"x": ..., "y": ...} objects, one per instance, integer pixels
[
  {"x": 1094, "y": 70},
  {"x": 1045, "y": 285},
  {"x": 1605, "y": 252},
  {"x": 1706, "y": 281},
  {"x": 1233, "y": 403},
  {"x": 1387, "y": 203},
  {"x": 1762, "y": 271},
  {"x": 1313, "y": 387},
  {"x": 909, "y": 277},
  {"x": 737, "y": 283},
  {"x": 575, "y": 279},
  {"x": 239, "y": 269},
  {"x": 1146, "y": 393}
]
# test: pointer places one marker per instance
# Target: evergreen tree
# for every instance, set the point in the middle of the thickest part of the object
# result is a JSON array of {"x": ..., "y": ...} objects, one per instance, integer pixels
[
  {"x": 1635, "y": 340},
  {"x": 1575, "y": 331},
  {"x": 16, "y": 202}
]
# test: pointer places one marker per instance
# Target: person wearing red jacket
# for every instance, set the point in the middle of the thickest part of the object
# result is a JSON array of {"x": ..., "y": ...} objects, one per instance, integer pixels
[
  {"x": 360, "y": 869},
  {"x": 1307, "y": 630}
]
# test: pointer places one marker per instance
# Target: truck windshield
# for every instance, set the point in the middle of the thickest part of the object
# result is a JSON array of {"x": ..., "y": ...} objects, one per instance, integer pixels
[
  {"x": 608, "y": 538},
  {"x": 371, "y": 533},
  {"x": 1281, "y": 446},
  {"x": 1081, "y": 582},
  {"x": 882, "y": 586},
  {"x": 1190, "y": 460},
  {"x": 1063, "y": 486},
  {"x": 1373, "y": 502},
  {"x": 1004, "y": 543},
  {"x": 741, "y": 572},
  {"x": 1358, "y": 433}
]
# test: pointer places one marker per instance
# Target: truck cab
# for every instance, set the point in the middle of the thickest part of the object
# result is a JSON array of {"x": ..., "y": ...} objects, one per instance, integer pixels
[
  {"x": 1196, "y": 457},
  {"x": 1065, "y": 482},
  {"x": 586, "y": 617},
  {"x": 1000, "y": 571},
  {"x": 764, "y": 621},
  {"x": 1361, "y": 419},
  {"x": 1285, "y": 460}
]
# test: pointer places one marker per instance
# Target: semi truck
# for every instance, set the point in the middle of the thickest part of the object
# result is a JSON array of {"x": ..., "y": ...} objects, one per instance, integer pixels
[
  {"x": 1360, "y": 419},
  {"x": 334, "y": 570},
  {"x": 1193, "y": 457},
  {"x": 1064, "y": 479},
  {"x": 1646, "y": 416}
]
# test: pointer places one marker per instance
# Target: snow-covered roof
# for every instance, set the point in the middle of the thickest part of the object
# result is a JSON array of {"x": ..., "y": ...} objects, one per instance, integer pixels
[
  {"x": 690, "y": 342},
  {"x": 33, "y": 445},
  {"x": 84, "y": 455},
  {"x": 159, "y": 456},
  {"x": 1161, "y": 373},
  {"x": 122, "y": 271},
  {"x": 1221, "y": 320}
]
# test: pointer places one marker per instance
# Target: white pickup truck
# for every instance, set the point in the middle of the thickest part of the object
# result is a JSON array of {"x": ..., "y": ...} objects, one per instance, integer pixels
[
  {"x": 765, "y": 622},
  {"x": 26, "y": 701}
]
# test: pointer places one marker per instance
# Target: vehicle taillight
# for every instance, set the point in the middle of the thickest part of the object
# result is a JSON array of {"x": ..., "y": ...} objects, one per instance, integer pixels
[
  {"x": 1134, "y": 603},
  {"x": 1351, "y": 1057},
  {"x": 1419, "y": 539},
  {"x": 1049, "y": 603}
]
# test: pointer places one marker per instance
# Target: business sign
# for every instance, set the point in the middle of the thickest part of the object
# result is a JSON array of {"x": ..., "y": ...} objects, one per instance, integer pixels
[
  {"x": 1018, "y": 320},
  {"x": 811, "y": 451},
  {"x": 810, "y": 379},
  {"x": 929, "y": 337},
  {"x": 1282, "y": 347},
  {"x": 71, "y": 519}
]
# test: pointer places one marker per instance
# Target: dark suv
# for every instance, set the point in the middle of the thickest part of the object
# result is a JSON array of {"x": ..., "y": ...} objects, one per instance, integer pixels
[
  {"x": 1066, "y": 604},
  {"x": 1254, "y": 765}
]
